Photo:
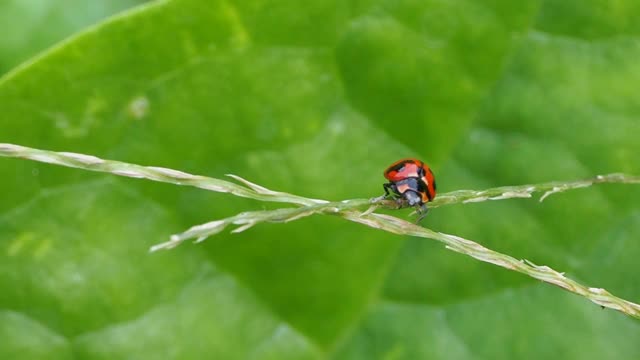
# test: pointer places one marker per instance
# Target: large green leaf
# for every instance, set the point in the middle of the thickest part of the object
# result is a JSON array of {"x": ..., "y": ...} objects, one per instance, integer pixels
[
  {"x": 30, "y": 25},
  {"x": 316, "y": 98}
]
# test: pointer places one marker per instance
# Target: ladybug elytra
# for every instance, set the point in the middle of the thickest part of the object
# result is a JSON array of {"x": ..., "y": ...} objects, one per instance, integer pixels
[{"x": 413, "y": 181}]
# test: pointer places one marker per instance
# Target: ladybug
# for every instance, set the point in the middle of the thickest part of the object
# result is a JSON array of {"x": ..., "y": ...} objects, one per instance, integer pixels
[{"x": 413, "y": 181}]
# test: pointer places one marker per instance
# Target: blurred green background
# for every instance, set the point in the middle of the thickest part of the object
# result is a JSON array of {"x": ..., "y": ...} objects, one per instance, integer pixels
[{"x": 316, "y": 98}]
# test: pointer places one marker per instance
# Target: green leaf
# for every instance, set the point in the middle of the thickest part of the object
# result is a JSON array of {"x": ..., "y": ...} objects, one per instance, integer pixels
[
  {"x": 31, "y": 25},
  {"x": 315, "y": 99}
]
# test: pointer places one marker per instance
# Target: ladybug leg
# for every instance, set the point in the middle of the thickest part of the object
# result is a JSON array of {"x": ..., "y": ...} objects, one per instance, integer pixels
[
  {"x": 389, "y": 189},
  {"x": 422, "y": 211}
]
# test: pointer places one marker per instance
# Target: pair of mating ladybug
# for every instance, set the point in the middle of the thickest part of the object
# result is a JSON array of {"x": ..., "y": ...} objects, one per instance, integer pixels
[{"x": 413, "y": 181}]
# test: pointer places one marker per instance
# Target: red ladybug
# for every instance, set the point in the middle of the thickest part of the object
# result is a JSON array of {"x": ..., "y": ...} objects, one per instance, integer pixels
[{"x": 412, "y": 180}]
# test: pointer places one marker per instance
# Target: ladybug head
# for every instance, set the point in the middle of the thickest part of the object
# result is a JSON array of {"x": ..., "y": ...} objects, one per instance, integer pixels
[{"x": 412, "y": 197}]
